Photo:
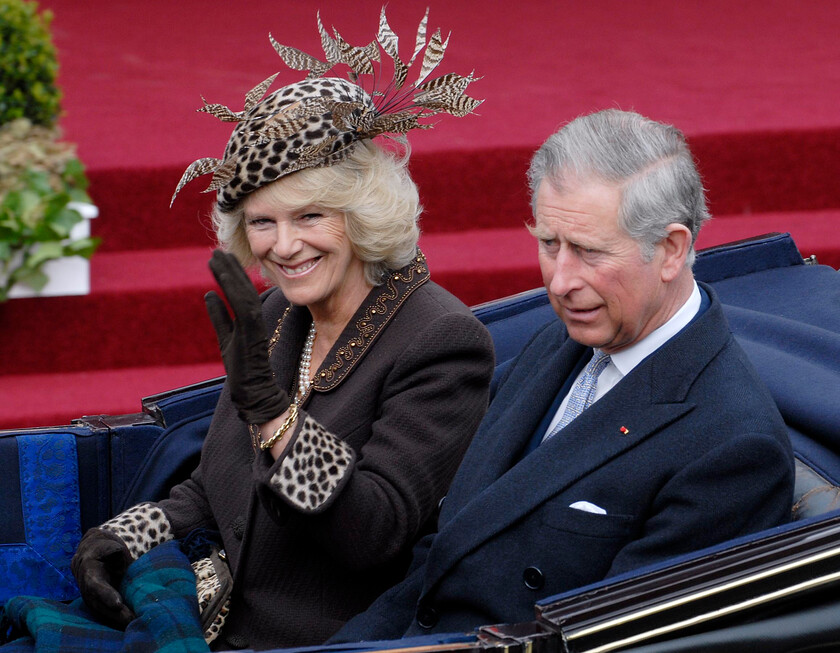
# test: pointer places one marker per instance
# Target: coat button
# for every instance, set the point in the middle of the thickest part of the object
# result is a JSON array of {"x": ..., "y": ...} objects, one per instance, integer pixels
[
  {"x": 237, "y": 641},
  {"x": 534, "y": 579},
  {"x": 238, "y": 527},
  {"x": 427, "y": 616}
]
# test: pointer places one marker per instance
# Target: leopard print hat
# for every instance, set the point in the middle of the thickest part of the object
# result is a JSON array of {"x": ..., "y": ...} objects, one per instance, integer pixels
[
  {"x": 317, "y": 122},
  {"x": 309, "y": 135}
]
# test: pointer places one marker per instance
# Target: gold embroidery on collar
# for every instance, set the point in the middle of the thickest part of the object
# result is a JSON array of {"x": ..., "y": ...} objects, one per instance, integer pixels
[
  {"x": 401, "y": 283},
  {"x": 275, "y": 337}
]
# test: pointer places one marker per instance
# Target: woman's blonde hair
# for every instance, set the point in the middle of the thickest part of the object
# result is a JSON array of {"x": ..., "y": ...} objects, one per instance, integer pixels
[{"x": 371, "y": 187}]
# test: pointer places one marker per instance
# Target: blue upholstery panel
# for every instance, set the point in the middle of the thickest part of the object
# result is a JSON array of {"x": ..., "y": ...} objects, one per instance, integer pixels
[
  {"x": 168, "y": 461},
  {"x": 745, "y": 257},
  {"x": 513, "y": 320},
  {"x": 185, "y": 403},
  {"x": 788, "y": 322},
  {"x": 58, "y": 482},
  {"x": 50, "y": 512},
  {"x": 12, "y": 530},
  {"x": 129, "y": 448}
]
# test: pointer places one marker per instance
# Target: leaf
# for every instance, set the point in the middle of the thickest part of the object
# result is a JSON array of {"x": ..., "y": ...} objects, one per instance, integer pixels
[
  {"x": 45, "y": 252},
  {"x": 38, "y": 182},
  {"x": 35, "y": 278},
  {"x": 26, "y": 207},
  {"x": 84, "y": 247},
  {"x": 74, "y": 174},
  {"x": 78, "y": 195},
  {"x": 61, "y": 219}
]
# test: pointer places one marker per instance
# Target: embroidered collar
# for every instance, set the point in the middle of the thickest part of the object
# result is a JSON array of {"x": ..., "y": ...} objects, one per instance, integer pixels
[{"x": 361, "y": 331}]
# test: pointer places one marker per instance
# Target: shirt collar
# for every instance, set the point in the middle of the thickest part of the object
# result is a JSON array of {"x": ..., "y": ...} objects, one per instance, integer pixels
[{"x": 626, "y": 359}]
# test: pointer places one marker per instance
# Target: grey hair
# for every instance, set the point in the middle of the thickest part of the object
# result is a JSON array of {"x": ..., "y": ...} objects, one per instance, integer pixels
[
  {"x": 371, "y": 187},
  {"x": 649, "y": 161}
]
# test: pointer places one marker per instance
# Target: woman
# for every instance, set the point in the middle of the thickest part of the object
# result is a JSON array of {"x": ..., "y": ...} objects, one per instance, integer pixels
[{"x": 353, "y": 385}]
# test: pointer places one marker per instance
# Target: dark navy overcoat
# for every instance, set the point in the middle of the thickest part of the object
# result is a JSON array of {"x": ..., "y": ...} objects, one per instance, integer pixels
[{"x": 686, "y": 451}]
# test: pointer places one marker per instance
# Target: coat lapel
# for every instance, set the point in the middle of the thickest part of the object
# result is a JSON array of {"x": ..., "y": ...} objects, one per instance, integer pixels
[
  {"x": 499, "y": 489},
  {"x": 511, "y": 421},
  {"x": 593, "y": 439}
]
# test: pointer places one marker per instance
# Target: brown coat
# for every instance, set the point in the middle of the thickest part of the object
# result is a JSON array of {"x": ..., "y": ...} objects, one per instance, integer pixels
[{"x": 315, "y": 536}]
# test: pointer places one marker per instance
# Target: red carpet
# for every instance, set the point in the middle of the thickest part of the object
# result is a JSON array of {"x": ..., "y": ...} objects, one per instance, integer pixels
[{"x": 754, "y": 85}]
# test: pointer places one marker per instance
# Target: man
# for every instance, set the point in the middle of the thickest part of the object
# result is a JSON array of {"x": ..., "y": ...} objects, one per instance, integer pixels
[{"x": 680, "y": 446}]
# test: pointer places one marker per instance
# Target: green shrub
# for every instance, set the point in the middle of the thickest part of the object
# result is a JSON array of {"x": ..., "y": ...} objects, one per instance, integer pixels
[
  {"x": 35, "y": 223},
  {"x": 28, "y": 64},
  {"x": 39, "y": 177}
]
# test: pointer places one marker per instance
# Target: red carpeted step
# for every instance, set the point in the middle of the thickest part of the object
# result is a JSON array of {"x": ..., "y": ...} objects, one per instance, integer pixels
[
  {"x": 147, "y": 308},
  {"x": 143, "y": 330},
  {"x": 791, "y": 171},
  {"x": 816, "y": 233},
  {"x": 52, "y": 399},
  {"x": 458, "y": 190}
]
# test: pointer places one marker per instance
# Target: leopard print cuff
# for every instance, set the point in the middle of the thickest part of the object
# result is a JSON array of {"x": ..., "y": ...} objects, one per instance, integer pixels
[
  {"x": 213, "y": 585},
  {"x": 141, "y": 527},
  {"x": 314, "y": 470}
]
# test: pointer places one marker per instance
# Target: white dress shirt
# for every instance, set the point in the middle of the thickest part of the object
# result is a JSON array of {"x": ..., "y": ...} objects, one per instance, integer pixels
[{"x": 622, "y": 362}]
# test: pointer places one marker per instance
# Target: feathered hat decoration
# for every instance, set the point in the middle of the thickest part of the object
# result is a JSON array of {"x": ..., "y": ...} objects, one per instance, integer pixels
[{"x": 317, "y": 121}]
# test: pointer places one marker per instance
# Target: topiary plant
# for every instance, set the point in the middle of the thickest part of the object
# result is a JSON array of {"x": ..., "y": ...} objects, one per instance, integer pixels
[
  {"x": 28, "y": 64},
  {"x": 40, "y": 176}
]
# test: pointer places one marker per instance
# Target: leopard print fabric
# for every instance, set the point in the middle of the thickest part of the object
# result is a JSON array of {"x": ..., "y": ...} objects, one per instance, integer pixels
[
  {"x": 266, "y": 146},
  {"x": 315, "y": 470},
  {"x": 207, "y": 586},
  {"x": 141, "y": 527}
]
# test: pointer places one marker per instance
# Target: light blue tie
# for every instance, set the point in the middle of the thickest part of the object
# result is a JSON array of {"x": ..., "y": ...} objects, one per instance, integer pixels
[{"x": 583, "y": 393}]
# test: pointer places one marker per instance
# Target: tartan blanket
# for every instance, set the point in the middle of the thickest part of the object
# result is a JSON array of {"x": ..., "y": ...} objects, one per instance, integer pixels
[{"x": 159, "y": 587}]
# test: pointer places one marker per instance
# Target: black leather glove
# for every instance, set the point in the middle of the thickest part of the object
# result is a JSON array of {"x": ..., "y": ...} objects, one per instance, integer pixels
[
  {"x": 99, "y": 565},
  {"x": 244, "y": 343}
]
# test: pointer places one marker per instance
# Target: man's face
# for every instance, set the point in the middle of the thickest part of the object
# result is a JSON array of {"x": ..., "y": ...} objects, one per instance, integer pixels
[{"x": 597, "y": 281}]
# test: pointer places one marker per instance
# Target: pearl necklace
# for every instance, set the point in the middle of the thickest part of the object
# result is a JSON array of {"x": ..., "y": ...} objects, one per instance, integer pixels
[{"x": 305, "y": 359}]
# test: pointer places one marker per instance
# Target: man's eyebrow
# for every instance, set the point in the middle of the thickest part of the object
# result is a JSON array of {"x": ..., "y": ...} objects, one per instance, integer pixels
[{"x": 539, "y": 231}]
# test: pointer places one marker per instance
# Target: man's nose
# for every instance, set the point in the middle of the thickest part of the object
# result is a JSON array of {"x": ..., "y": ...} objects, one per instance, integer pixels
[{"x": 565, "y": 276}]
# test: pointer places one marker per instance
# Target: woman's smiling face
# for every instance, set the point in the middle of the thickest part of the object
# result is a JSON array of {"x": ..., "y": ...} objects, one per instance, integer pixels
[{"x": 305, "y": 251}]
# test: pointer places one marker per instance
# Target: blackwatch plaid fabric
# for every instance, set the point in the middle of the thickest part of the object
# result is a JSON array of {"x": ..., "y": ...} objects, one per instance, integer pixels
[{"x": 159, "y": 587}]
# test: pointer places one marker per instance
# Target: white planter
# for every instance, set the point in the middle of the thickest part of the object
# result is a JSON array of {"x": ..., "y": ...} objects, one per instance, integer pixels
[{"x": 68, "y": 276}]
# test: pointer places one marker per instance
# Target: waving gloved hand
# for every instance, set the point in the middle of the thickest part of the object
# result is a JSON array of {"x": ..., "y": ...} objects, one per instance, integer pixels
[
  {"x": 99, "y": 565},
  {"x": 244, "y": 343}
]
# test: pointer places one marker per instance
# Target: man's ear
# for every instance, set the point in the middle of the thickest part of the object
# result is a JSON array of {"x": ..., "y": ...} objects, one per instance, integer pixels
[{"x": 675, "y": 246}]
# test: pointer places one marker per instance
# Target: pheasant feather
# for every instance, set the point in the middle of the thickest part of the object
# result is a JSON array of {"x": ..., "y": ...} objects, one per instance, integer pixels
[{"x": 317, "y": 121}]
